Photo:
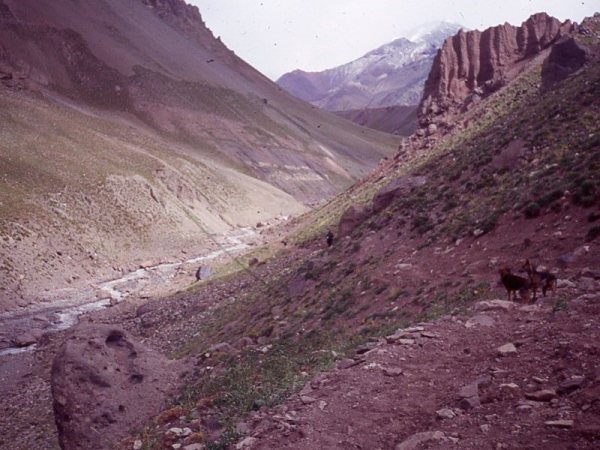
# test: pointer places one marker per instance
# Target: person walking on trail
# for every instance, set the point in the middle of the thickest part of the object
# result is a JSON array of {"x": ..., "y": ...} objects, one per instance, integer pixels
[{"x": 329, "y": 238}]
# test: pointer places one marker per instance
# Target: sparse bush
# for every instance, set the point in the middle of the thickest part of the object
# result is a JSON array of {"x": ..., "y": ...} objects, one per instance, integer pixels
[
  {"x": 228, "y": 438},
  {"x": 455, "y": 175},
  {"x": 310, "y": 271},
  {"x": 585, "y": 201},
  {"x": 560, "y": 304},
  {"x": 550, "y": 197},
  {"x": 267, "y": 331},
  {"x": 592, "y": 142},
  {"x": 593, "y": 233},
  {"x": 350, "y": 269},
  {"x": 533, "y": 210},
  {"x": 422, "y": 224},
  {"x": 483, "y": 160},
  {"x": 450, "y": 204},
  {"x": 585, "y": 195},
  {"x": 490, "y": 222},
  {"x": 592, "y": 217},
  {"x": 381, "y": 288}
]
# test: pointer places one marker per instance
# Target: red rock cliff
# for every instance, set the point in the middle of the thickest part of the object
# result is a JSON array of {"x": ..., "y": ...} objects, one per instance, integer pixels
[{"x": 473, "y": 64}]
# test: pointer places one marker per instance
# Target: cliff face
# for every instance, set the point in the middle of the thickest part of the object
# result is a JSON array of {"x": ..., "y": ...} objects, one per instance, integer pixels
[{"x": 473, "y": 64}]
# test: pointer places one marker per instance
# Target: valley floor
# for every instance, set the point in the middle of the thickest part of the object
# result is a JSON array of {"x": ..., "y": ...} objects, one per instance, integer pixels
[{"x": 441, "y": 384}]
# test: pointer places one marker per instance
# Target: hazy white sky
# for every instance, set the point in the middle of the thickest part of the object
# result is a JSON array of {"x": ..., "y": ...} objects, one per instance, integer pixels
[{"x": 277, "y": 36}]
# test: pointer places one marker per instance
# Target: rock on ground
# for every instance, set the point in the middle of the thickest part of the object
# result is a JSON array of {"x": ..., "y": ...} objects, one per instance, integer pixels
[
  {"x": 416, "y": 440},
  {"x": 105, "y": 384}
]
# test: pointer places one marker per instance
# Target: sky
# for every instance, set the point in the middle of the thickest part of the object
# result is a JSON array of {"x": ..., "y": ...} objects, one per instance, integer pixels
[{"x": 278, "y": 36}]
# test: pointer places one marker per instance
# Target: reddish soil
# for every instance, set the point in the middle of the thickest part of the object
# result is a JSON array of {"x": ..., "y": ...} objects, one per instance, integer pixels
[
  {"x": 393, "y": 391},
  {"x": 363, "y": 406}
]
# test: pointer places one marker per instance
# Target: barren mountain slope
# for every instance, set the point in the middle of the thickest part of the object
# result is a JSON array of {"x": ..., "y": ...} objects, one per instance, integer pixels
[
  {"x": 129, "y": 132},
  {"x": 400, "y": 120},
  {"x": 376, "y": 89}
]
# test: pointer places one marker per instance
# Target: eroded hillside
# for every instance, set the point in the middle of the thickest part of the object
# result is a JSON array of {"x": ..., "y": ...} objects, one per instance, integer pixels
[{"x": 129, "y": 134}]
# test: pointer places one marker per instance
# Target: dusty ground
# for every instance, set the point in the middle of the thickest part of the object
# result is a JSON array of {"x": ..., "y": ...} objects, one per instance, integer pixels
[{"x": 399, "y": 389}]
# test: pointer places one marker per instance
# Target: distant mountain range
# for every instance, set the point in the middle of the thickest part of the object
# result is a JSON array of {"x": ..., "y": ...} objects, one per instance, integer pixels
[{"x": 391, "y": 75}]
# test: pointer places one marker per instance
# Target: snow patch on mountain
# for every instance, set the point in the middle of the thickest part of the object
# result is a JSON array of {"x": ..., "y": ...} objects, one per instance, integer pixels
[
  {"x": 434, "y": 33},
  {"x": 393, "y": 74}
]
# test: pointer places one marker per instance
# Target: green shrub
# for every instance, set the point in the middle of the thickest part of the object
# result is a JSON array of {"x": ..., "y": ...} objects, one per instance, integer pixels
[
  {"x": 592, "y": 142},
  {"x": 490, "y": 222},
  {"x": 585, "y": 192},
  {"x": 592, "y": 217},
  {"x": 550, "y": 198},
  {"x": 422, "y": 224}
]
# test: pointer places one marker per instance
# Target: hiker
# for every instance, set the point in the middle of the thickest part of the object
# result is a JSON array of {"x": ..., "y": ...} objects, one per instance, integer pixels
[{"x": 329, "y": 238}]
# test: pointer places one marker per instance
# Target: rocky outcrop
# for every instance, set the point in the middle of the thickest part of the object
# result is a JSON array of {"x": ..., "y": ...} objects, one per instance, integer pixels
[
  {"x": 104, "y": 385},
  {"x": 178, "y": 8},
  {"x": 186, "y": 18},
  {"x": 352, "y": 218},
  {"x": 395, "y": 189},
  {"x": 566, "y": 57},
  {"x": 473, "y": 64}
]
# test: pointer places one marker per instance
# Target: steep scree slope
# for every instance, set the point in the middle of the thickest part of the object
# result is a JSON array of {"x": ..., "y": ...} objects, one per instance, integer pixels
[{"x": 128, "y": 132}]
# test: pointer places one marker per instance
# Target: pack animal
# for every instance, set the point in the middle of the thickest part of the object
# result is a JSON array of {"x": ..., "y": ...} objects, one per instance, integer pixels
[
  {"x": 513, "y": 283},
  {"x": 544, "y": 279}
]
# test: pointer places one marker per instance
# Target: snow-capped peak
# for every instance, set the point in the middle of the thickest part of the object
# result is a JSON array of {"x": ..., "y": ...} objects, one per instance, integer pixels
[
  {"x": 392, "y": 74},
  {"x": 434, "y": 33}
]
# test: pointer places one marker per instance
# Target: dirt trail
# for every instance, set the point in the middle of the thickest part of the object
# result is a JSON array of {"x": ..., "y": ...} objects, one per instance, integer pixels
[{"x": 446, "y": 384}]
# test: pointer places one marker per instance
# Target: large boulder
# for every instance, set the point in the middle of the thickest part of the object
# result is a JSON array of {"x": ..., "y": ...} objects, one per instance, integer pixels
[
  {"x": 351, "y": 219},
  {"x": 105, "y": 385},
  {"x": 395, "y": 189}
]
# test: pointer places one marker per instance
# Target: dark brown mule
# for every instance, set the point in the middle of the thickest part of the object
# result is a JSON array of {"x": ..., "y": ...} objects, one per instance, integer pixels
[
  {"x": 514, "y": 283},
  {"x": 543, "y": 279}
]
